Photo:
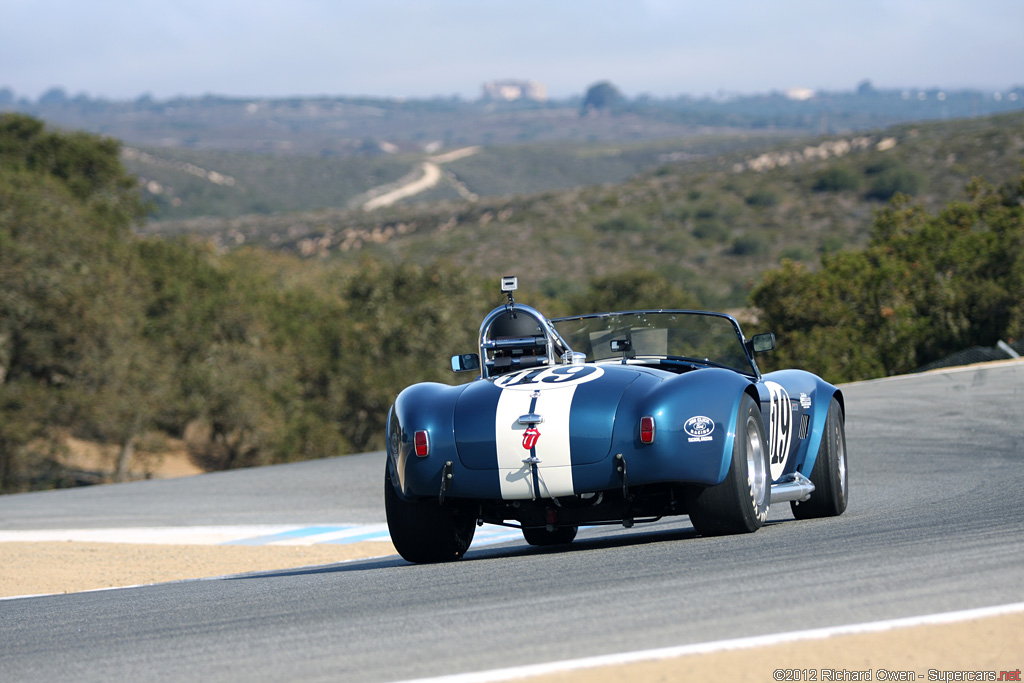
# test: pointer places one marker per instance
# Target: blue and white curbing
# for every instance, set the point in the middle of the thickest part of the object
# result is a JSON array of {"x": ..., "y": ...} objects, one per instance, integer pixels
[{"x": 254, "y": 535}]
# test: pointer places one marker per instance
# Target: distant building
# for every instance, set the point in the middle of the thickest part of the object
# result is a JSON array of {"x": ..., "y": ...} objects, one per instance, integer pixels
[
  {"x": 799, "y": 94},
  {"x": 510, "y": 90}
]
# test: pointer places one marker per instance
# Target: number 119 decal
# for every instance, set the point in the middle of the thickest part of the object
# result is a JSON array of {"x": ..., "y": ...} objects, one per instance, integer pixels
[{"x": 540, "y": 378}]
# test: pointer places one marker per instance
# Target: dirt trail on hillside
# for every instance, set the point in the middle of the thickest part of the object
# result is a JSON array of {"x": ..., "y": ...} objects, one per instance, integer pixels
[{"x": 431, "y": 175}]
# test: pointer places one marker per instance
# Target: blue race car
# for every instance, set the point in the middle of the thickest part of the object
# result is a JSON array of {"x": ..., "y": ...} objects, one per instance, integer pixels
[{"x": 609, "y": 418}]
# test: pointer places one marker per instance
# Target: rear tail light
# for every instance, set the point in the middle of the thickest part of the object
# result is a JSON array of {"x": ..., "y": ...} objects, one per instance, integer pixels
[
  {"x": 422, "y": 443},
  {"x": 646, "y": 429}
]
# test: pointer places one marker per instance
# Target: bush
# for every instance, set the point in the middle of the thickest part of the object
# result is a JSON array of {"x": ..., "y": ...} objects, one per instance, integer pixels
[
  {"x": 624, "y": 223},
  {"x": 898, "y": 180},
  {"x": 800, "y": 254},
  {"x": 750, "y": 244},
  {"x": 882, "y": 165},
  {"x": 838, "y": 179},
  {"x": 711, "y": 229},
  {"x": 763, "y": 198}
]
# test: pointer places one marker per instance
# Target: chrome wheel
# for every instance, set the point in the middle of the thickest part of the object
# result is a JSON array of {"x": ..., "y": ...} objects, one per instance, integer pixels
[
  {"x": 739, "y": 503},
  {"x": 841, "y": 461},
  {"x": 757, "y": 475}
]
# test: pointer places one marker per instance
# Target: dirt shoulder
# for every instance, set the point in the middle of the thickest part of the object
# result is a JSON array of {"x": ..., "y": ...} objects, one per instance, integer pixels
[
  {"x": 980, "y": 650},
  {"x": 69, "y": 567}
]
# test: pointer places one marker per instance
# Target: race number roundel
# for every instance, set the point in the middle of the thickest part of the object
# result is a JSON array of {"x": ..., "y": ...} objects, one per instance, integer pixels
[
  {"x": 780, "y": 427},
  {"x": 548, "y": 378}
]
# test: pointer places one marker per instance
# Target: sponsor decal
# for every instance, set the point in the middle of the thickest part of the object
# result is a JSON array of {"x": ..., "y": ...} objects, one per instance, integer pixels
[
  {"x": 805, "y": 401},
  {"x": 530, "y": 437},
  {"x": 780, "y": 427},
  {"x": 548, "y": 378},
  {"x": 699, "y": 428}
]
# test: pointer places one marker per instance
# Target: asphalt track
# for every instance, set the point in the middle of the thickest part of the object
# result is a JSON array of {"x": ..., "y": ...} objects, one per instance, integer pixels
[{"x": 935, "y": 524}]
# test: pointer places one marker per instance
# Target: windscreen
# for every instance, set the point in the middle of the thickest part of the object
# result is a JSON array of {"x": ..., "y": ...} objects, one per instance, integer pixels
[{"x": 704, "y": 337}]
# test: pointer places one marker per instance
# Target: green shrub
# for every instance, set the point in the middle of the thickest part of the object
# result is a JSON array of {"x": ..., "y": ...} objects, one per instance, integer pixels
[
  {"x": 750, "y": 244},
  {"x": 881, "y": 165},
  {"x": 763, "y": 198},
  {"x": 898, "y": 180},
  {"x": 830, "y": 244},
  {"x": 838, "y": 179},
  {"x": 799, "y": 254},
  {"x": 624, "y": 223},
  {"x": 711, "y": 229},
  {"x": 705, "y": 211}
]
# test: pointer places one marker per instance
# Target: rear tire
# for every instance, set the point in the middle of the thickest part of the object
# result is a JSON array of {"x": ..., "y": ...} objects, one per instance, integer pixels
[
  {"x": 558, "y": 536},
  {"x": 829, "y": 476},
  {"x": 739, "y": 504},
  {"x": 424, "y": 531}
]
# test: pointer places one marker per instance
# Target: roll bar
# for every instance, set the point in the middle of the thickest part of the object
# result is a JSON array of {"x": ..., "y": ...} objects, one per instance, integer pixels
[{"x": 557, "y": 350}]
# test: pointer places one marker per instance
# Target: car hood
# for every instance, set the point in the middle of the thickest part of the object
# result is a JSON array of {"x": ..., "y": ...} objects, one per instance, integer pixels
[{"x": 559, "y": 416}]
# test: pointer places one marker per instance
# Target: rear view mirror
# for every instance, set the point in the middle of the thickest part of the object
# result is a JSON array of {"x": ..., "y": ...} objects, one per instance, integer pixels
[
  {"x": 621, "y": 346},
  {"x": 466, "y": 362},
  {"x": 763, "y": 342}
]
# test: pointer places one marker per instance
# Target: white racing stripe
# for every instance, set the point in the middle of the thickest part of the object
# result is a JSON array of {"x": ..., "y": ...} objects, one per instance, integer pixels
[
  {"x": 552, "y": 446},
  {"x": 550, "y": 668}
]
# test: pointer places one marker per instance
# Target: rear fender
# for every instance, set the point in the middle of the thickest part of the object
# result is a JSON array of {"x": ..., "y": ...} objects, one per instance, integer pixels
[
  {"x": 695, "y": 416},
  {"x": 427, "y": 406}
]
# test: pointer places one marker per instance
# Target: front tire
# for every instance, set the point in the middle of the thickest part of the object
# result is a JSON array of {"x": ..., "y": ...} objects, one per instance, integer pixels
[
  {"x": 424, "y": 531},
  {"x": 558, "y": 536},
  {"x": 829, "y": 476},
  {"x": 739, "y": 504}
]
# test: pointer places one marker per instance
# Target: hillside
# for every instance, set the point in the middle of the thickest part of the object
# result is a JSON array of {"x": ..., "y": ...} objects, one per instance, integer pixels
[
  {"x": 184, "y": 183},
  {"x": 224, "y": 157},
  {"x": 709, "y": 221}
]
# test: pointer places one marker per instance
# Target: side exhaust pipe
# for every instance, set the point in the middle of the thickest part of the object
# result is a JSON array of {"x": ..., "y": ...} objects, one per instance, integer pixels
[{"x": 793, "y": 486}]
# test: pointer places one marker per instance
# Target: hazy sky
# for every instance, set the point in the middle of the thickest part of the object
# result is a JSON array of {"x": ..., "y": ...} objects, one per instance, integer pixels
[{"x": 121, "y": 49}]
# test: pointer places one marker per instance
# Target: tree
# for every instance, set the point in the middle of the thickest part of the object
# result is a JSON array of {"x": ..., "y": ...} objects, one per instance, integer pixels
[
  {"x": 898, "y": 180},
  {"x": 121, "y": 381},
  {"x": 66, "y": 212},
  {"x": 839, "y": 178},
  {"x": 403, "y": 322},
  {"x": 602, "y": 96},
  {"x": 925, "y": 287},
  {"x": 53, "y": 96},
  {"x": 631, "y": 291}
]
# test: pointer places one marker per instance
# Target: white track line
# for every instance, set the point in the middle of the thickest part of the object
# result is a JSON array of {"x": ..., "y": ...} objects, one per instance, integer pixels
[{"x": 495, "y": 675}]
